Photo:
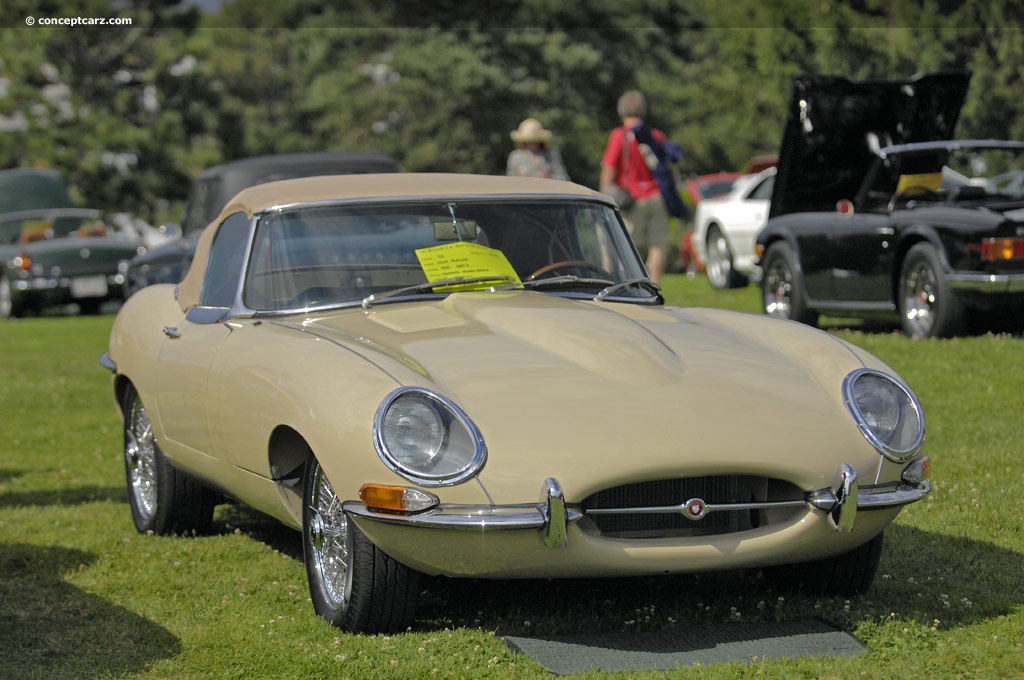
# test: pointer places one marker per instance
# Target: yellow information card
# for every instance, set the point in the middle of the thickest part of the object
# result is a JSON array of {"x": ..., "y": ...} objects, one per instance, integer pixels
[
  {"x": 931, "y": 181},
  {"x": 466, "y": 260}
]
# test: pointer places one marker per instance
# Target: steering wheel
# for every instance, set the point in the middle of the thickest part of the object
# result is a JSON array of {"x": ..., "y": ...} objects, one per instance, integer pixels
[
  {"x": 578, "y": 264},
  {"x": 912, "y": 193}
]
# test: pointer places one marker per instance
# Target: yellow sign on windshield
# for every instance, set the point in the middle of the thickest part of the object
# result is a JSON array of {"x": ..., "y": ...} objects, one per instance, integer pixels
[
  {"x": 930, "y": 180},
  {"x": 466, "y": 260}
]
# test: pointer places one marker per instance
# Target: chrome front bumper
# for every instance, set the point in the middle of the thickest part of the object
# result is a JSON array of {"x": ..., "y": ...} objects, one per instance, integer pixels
[
  {"x": 553, "y": 516},
  {"x": 994, "y": 284}
]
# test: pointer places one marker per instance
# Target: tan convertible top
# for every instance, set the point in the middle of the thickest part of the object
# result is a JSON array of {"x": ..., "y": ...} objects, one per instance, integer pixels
[{"x": 292, "y": 192}]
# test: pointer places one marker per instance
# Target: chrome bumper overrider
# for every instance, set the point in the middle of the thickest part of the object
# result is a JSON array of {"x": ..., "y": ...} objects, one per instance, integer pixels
[{"x": 841, "y": 502}]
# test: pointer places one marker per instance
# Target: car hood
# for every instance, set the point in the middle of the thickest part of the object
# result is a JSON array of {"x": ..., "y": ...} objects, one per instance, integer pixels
[
  {"x": 835, "y": 127},
  {"x": 557, "y": 384}
]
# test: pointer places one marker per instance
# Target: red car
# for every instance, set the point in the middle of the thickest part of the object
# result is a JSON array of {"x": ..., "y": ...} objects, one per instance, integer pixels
[{"x": 710, "y": 186}]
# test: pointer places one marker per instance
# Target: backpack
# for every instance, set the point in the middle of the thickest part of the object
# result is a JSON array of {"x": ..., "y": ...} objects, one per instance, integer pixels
[{"x": 667, "y": 152}]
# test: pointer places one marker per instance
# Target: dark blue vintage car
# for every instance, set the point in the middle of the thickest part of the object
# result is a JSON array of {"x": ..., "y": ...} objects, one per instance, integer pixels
[
  {"x": 215, "y": 186},
  {"x": 878, "y": 211}
]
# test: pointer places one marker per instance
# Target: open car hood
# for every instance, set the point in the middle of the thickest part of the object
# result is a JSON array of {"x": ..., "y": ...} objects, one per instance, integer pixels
[{"x": 835, "y": 127}]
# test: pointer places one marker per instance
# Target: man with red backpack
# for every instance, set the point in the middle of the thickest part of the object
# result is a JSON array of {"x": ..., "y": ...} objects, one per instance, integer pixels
[{"x": 635, "y": 170}]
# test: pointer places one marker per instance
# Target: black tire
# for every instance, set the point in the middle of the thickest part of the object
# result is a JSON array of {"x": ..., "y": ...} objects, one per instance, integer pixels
[
  {"x": 719, "y": 262},
  {"x": 928, "y": 307},
  {"x": 90, "y": 307},
  {"x": 353, "y": 584},
  {"x": 848, "y": 574},
  {"x": 163, "y": 500},
  {"x": 782, "y": 287}
]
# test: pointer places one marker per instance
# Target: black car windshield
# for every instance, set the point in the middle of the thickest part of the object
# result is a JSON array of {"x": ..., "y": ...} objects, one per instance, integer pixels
[
  {"x": 953, "y": 172},
  {"x": 324, "y": 255}
]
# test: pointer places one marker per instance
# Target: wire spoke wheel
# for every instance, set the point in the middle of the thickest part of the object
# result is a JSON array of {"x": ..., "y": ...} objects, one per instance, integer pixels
[
  {"x": 140, "y": 460},
  {"x": 778, "y": 281},
  {"x": 353, "y": 584},
  {"x": 782, "y": 290},
  {"x": 328, "y": 536},
  {"x": 919, "y": 298},
  {"x": 928, "y": 307},
  {"x": 163, "y": 500}
]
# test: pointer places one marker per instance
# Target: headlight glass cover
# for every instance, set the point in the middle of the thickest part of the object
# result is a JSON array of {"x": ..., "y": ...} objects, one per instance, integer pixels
[
  {"x": 886, "y": 411},
  {"x": 426, "y": 438}
]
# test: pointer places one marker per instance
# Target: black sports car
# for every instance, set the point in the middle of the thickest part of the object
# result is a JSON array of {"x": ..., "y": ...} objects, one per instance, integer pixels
[{"x": 877, "y": 211}]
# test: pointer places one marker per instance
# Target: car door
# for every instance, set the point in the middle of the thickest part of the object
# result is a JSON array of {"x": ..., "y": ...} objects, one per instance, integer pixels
[
  {"x": 190, "y": 348},
  {"x": 748, "y": 217},
  {"x": 862, "y": 259}
]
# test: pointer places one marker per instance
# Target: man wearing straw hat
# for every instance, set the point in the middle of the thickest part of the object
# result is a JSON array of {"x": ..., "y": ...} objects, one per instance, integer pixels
[{"x": 532, "y": 156}]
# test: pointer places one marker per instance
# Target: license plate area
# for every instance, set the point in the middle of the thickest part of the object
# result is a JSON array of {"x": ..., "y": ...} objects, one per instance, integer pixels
[{"x": 89, "y": 287}]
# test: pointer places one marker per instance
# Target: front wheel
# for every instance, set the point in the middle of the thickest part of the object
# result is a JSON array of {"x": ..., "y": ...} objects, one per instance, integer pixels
[
  {"x": 352, "y": 583},
  {"x": 782, "y": 287},
  {"x": 927, "y": 306},
  {"x": 848, "y": 574},
  {"x": 162, "y": 500}
]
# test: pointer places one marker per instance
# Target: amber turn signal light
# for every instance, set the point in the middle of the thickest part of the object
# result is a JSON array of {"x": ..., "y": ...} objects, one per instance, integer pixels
[{"x": 396, "y": 498}]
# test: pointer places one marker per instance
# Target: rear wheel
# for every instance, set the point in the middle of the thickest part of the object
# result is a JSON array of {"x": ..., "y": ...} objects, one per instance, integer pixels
[
  {"x": 352, "y": 583},
  {"x": 927, "y": 306},
  {"x": 719, "y": 265},
  {"x": 848, "y": 574},
  {"x": 782, "y": 287},
  {"x": 162, "y": 499}
]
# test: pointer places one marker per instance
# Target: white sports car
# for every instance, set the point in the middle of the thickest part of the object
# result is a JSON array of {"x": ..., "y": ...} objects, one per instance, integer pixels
[{"x": 725, "y": 229}]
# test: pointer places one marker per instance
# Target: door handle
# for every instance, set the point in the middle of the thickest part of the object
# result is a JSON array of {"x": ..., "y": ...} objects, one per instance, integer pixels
[{"x": 171, "y": 332}]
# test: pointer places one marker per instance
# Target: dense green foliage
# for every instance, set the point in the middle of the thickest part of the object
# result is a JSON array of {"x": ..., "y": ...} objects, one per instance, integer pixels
[{"x": 130, "y": 113}]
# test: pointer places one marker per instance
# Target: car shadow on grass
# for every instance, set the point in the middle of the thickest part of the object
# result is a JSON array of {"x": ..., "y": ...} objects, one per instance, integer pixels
[
  {"x": 231, "y": 517},
  {"x": 72, "y": 495},
  {"x": 923, "y": 577},
  {"x": 51, "y": 629}
]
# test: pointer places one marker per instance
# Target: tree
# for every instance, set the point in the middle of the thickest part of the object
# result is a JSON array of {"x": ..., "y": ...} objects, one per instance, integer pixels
[{"x": 130, "y": 114}]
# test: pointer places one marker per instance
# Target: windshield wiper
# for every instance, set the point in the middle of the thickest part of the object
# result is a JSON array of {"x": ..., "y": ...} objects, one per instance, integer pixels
[
  {"x": 555, "y": 281},
  {"x": 646, "y": 283},
  {"x": 431, "y": 285}
]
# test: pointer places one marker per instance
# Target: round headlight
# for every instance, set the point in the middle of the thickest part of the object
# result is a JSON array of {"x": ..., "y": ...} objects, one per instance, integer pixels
[
  {"x": 886, "y": 412},
  {"x": 426, "y": 438}
]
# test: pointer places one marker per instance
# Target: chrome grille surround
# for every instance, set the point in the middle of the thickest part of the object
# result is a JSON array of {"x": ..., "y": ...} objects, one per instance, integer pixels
[{"x": 693, "y": 506}]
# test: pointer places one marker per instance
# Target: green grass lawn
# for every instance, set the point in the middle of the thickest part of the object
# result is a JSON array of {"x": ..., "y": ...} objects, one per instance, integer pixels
[{"x": 82, "y": 595}]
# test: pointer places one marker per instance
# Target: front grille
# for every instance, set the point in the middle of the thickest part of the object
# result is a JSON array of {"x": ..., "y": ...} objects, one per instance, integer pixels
[{"x": 713, "y": 490}]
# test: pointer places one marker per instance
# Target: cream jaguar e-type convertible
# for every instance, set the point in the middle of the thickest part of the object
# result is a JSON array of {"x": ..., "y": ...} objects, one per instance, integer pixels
[{"x": 472, "y": 376}]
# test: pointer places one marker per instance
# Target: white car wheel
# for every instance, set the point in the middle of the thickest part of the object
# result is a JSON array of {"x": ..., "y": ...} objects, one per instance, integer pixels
[{"x": 719, "y": 265}]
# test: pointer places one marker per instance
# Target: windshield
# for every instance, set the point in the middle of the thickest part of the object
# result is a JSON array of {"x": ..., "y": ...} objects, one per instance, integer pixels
[
  {"x": 41, "y": 225},
  {"x": 953, "y": 174},
  {"x": 999, "y": 171},
  {"x": 341, "y": 254}
]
